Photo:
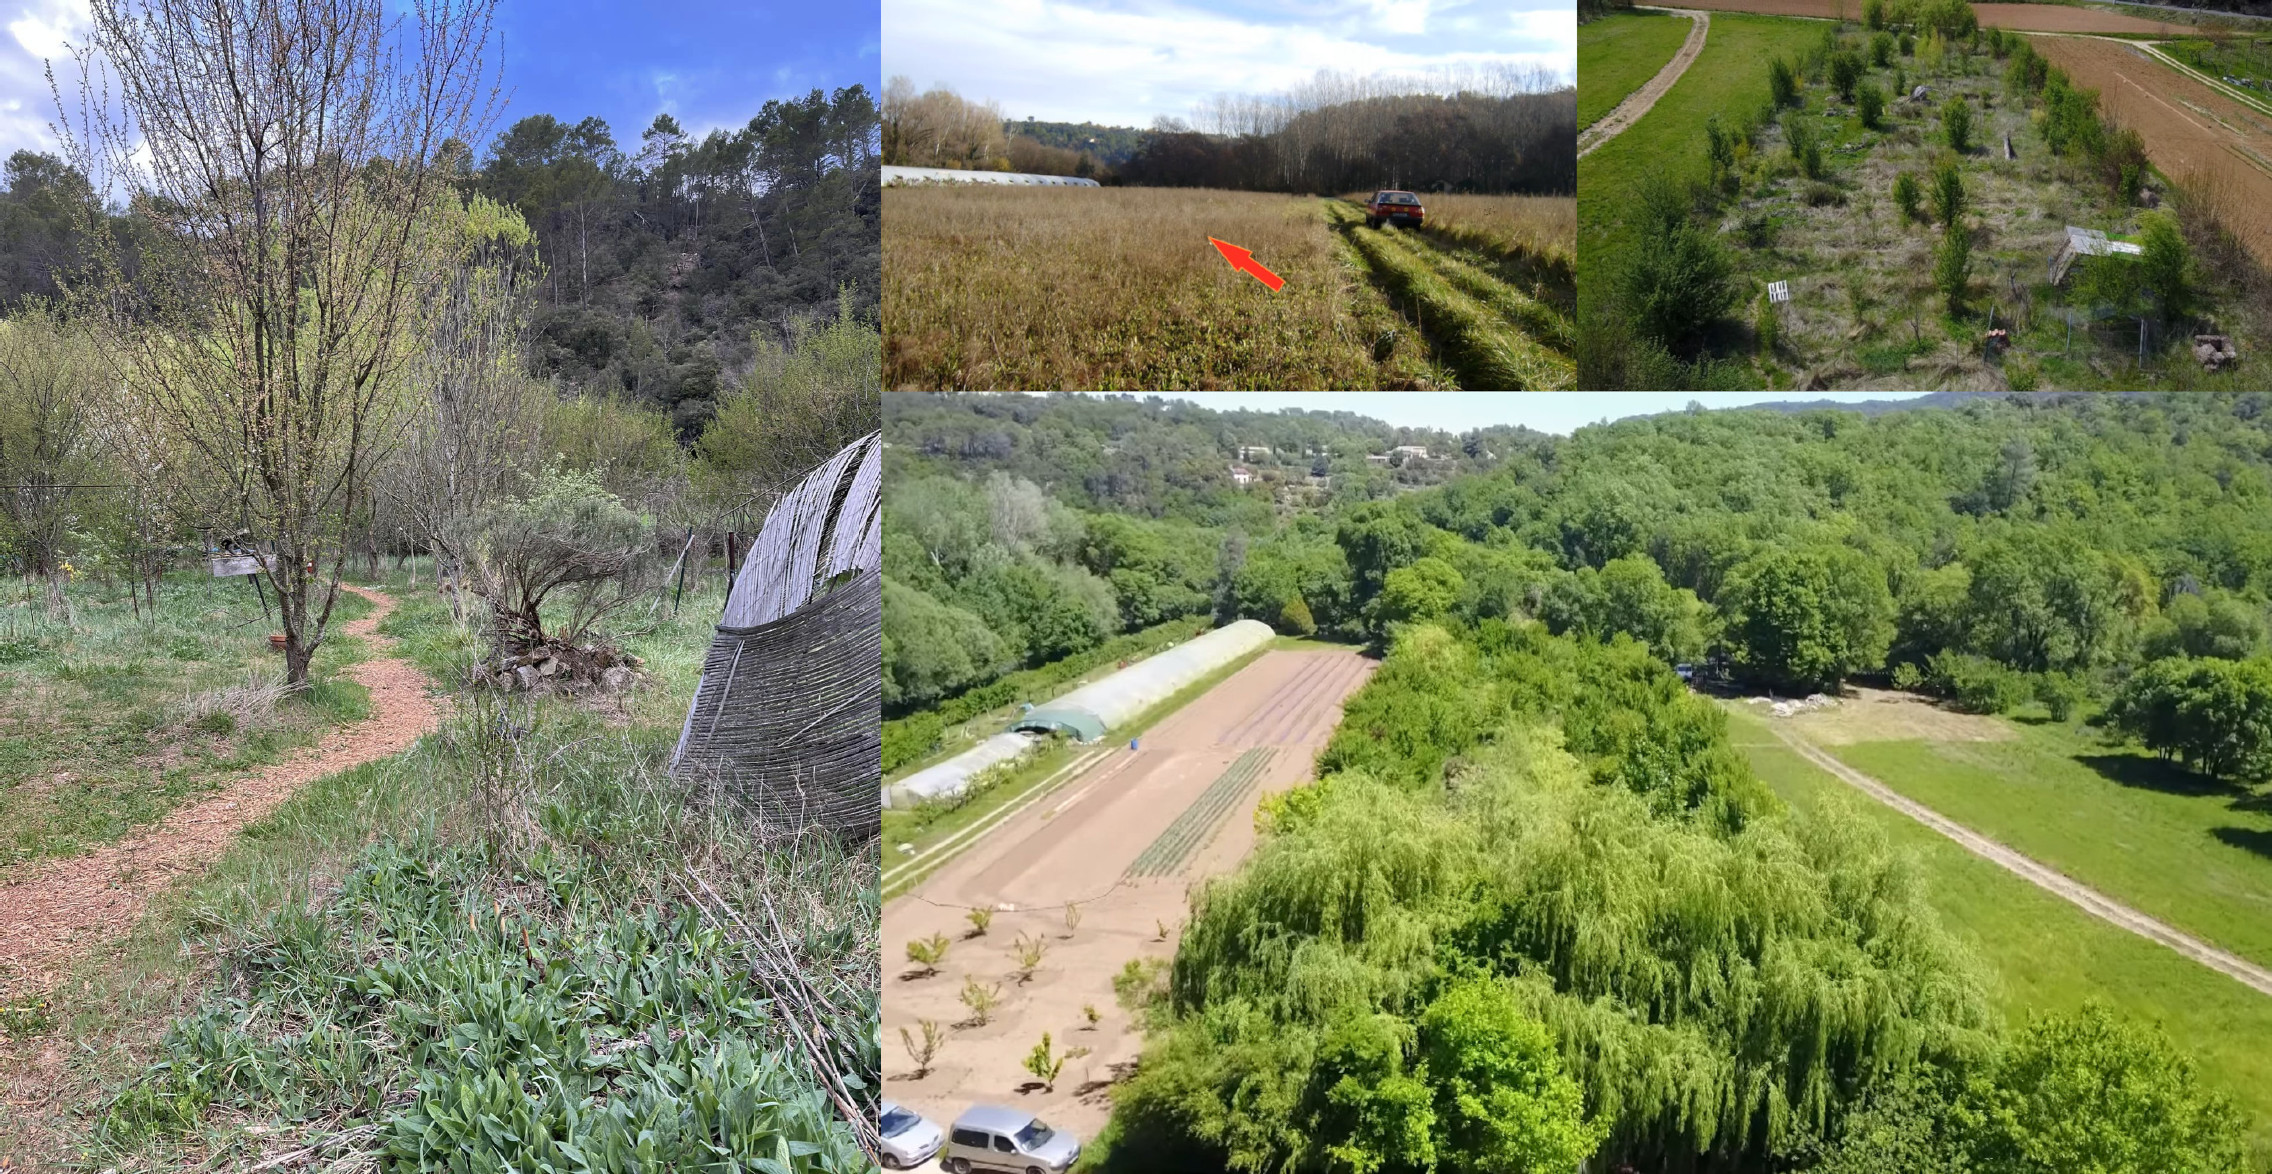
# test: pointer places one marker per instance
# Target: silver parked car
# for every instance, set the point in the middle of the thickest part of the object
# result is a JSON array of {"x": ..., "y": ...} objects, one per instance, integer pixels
[
  {"x": 989, "y": 1137},
  {"x": 909, "y": 1137}
]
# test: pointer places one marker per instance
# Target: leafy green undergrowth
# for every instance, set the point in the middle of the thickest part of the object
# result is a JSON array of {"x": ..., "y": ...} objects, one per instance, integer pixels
[{"x": 477, "y": 1019}]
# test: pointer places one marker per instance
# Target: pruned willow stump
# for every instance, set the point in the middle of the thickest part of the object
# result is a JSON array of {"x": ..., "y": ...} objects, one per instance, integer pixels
[{"x": 787, "y": 721}]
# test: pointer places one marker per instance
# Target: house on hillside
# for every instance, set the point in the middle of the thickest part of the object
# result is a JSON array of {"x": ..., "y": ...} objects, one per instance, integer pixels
[
  {"x": 1241, "y": 475},
  {"x": 1411, "y": 452},
  {"x": 1254, "y": 452}
]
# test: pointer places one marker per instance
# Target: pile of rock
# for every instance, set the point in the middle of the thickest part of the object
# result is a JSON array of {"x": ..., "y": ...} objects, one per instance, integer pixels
[
  {"x": 564, "y": 668},
  {"x": 2214, "y": 351}
]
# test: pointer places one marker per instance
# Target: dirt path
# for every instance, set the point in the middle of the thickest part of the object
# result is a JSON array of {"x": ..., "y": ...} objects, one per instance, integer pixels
[
  {"x": 66, "y": 906},
  {"x": 2050, "y": 880},
  {"x": 1083, "y": 844},
  {"x": 1638, "y": 102}
]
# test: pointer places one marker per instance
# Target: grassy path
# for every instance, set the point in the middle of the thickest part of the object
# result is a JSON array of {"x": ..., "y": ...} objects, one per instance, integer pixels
[
  {"x": 1632, "y": 106},
  {"x": 62, "y": 907},
  {"x": 1618, "y": 53},
  {"x": 2050, "y": 880}
]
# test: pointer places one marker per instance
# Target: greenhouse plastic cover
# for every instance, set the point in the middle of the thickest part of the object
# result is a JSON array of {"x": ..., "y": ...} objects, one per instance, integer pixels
[
  {"x": 1111, "y": 701},
  {"x": 1119, "y": 698}
]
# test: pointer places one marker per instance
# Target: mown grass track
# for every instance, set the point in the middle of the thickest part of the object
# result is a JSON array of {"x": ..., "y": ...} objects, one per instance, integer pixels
[{"x": 1493, "y": 334}]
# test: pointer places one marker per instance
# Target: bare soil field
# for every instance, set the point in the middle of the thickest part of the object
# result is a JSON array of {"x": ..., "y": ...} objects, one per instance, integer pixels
[
  {"x": 2195, "y": 135},
  {"x": 1884, "y": 715},
  {"x": 2044, "y": 18},
  {"x": 1080, "y": 847}
]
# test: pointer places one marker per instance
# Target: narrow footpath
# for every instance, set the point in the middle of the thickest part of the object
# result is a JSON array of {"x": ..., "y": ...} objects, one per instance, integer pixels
[{"x": 65, "y": 907}]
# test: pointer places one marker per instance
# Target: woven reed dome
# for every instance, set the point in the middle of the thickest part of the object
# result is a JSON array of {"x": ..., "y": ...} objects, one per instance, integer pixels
[{"x": 788, "y": 718}]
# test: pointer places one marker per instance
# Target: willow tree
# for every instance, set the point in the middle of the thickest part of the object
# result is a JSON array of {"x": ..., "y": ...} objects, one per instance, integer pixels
[{"x": 287, "y": 164}]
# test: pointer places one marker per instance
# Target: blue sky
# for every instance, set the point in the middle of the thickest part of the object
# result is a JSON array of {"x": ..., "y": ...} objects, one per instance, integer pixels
[
  {"x": 1125, "y": 62},
  {"x": 1556, "y": 412},
  {"x": 710, "y": 65}
]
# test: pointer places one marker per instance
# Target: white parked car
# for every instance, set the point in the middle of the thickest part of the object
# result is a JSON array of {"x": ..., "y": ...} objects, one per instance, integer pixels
[
  {"x": 992, "y": 1138},
  {"x": 909, "y": 1138}
]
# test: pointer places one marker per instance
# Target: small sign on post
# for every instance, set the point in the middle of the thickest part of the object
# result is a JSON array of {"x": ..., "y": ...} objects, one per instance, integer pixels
[
  {"x": 230, "y": 566},
  {"x": 1778, "y": 291}
]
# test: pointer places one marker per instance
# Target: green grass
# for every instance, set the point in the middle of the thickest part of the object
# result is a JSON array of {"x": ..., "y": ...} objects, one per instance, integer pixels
[
  {"x": 2048, "y": 955},
  {"x": 1618, "y": 54},
  {"x": 2195, "y": 854},
  {"x": 353, "y": 970},
  {"x": 108, "y": 721},
  {"x": 1727, "y": 78}
]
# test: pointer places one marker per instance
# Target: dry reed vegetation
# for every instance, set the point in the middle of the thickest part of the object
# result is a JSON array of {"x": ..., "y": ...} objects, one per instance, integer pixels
[
  {"x": 1544, "y": 228},
  {"x": 1118, "y": 289}
]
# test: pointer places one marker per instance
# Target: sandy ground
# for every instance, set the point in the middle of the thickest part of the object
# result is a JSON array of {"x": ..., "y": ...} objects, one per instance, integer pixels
[
  {"x": 2193, "y": 134},
  {"x": 2046, "y": 18},
  {"x": 1076, "y": 847},
  {"x": 65, "y": 906},
  {"x": 1638, "y": 102},
  {"x": 1885, "y": 715},
  {"x": 2042, "y": 876}
]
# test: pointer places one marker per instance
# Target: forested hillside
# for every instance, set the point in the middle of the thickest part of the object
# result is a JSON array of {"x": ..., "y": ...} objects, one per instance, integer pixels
[
  {"x": 1541, "y": 907},
  {"x": 1023, "y": 530},
  {"x": 668, "y": 265}
]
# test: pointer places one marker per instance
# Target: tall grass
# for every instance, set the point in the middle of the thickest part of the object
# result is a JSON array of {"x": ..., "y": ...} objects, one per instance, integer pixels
[
  {"x": 1119, "y": 289},
  {"x": 1541, "y": 231}
]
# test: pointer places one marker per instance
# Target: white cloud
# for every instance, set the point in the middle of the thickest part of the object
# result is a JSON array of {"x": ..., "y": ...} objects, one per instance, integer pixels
[
  {"x": 40, "y": 31},
  {"x": 1126, "y": 61}
]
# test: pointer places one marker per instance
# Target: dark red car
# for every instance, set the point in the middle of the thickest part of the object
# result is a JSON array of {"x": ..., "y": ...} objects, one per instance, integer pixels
[{"x": 1398, "y": 208}]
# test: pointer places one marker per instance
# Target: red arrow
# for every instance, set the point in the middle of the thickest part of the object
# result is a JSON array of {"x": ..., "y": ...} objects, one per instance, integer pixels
[{"x": 1241, "y": 259}]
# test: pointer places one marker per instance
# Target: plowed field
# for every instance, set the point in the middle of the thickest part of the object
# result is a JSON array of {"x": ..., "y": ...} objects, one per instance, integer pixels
[{"x": 2195, "y": 135}]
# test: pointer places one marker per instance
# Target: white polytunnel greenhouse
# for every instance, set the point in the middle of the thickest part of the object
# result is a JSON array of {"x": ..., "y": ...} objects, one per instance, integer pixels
[
  {"x": 1088, "y": 713},
  {"x": 896, "y": 176}
]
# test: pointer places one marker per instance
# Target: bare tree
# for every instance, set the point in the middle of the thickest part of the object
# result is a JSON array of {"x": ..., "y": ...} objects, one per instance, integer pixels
[
  {"x": 475, "y": 417},
  {"x": 287, "y": 163},
  {"x": 47, "y": 442}
]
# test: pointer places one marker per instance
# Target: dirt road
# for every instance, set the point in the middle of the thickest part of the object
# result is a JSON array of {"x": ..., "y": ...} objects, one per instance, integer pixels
[
  {"x": 66, "y": 906},
  {"x": 1124, "y": 842},
  {"x": 1638, "y": 102},
  {"x": 2042, "y": 18},
  {"x": 2050, "y": 880}
]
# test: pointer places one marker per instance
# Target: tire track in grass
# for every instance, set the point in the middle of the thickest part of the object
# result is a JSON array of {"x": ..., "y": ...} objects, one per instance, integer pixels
[
  {"x": 1489, "y": 351},
  {"x": 1535, "y": 317}
]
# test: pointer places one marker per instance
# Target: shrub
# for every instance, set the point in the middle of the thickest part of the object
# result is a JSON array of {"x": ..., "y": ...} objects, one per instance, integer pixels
[
  {"x": 1845, "y": 72},
  {"x": 1908, "y": 677},
  {"x": 570, "y": 550},
  {"x": 981, "y": 999},
  {"x": 1908, "y": 45},
  {"x": 1782, "y": 83},
  {"x": 1947, "y": 193},
  {"x": 1977, "y": 684},
  {"x": 1805, "y": 143},
  {"x": 1873, "y": 14},
  {"x": 1766, "y": 324},
  {"x": 927, "y": 953},
  {"x": 1956, "y": 125},
  {"x": 1906, "y": 197},
  {"x": 1952, "y": 266},
  {"x": 1294, "y": 619},
  {"x": 2060, "y": 693},
  {"x": 1676, "y": 282},
  {"x": 934, "y": 1038},
  {"x": 2166, "y": 266},
  {"x": 1869, "y": 104},
  {"x": 1881, "y": 49}
]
